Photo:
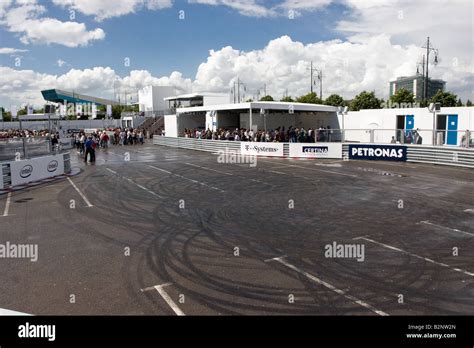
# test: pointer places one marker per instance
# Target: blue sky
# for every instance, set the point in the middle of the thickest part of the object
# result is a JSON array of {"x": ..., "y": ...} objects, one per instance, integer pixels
[
  {"x": 360, "y": 45},
  {"x": 161, "y": 43}
]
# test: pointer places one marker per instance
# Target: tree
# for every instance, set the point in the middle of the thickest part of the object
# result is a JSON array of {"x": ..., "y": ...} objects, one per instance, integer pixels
[
  {"x": 310, "y": 98},
  {"x": 267, "y": 98},
  {"x": 468, "y": 103},
  {"x": 335, "y": 100},
  {"x": 7, "y": 117},
  {"x": 365, "y": 100},
  {"x": 287, "y": 99},
  {"x": 446, "y": 99},
  {"x": 117, "y": 111},
  {"x": 249, "y": 100},
  {"x": 404, "y": 96},
  {"x": 459, "y": 103}
]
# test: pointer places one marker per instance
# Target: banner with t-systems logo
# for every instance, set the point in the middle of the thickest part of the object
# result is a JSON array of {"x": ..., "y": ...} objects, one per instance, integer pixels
[
  {"x": 35, "y": 169},
  {"x": 316, "y": 150},
  {"x": 378, "y": 152},
  {"x": 261, "y": 149}
]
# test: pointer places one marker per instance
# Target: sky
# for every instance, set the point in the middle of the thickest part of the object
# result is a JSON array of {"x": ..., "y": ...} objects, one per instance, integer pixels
[{"x": 105, "y": 47}]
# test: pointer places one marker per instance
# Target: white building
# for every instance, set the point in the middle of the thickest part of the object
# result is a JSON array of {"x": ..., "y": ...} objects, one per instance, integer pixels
[
  {"x": 450, "y": 124},
  {"x": 207, "y": 111},
  {"x": 151, "y": 98}
]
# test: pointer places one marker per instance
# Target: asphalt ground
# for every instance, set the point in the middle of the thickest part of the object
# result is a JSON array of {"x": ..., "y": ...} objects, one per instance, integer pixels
[{"x": 153, "y": 230}]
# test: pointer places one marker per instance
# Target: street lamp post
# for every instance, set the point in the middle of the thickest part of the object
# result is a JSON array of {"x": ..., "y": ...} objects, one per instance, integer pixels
[{"x": 429, "y": 48}]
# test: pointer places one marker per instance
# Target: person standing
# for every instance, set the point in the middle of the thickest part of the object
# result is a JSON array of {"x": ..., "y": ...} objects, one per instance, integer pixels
[
  {"x": 90, "y": 149},
  {"x": 82, "y": 141}
]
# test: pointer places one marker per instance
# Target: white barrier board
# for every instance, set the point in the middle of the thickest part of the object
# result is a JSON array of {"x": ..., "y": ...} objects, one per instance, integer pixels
[
  {"x": 316, "y": 150},
  {"x": 35, "y": 169},
  {"x": 261, "y": 149}
]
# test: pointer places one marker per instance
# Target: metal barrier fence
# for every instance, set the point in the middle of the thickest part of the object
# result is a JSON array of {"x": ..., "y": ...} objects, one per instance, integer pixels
[
  {"x": 198, "y": 144},
  {"x": 40, "y": 168},
  {"x": 444, "y": 155},
  {"x": 461, "y": 138},
  {"x": 21, "y": 148}
]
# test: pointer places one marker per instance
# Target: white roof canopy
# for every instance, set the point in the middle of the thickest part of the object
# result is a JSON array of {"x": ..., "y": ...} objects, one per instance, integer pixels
[{"x": 281, "y": 106}]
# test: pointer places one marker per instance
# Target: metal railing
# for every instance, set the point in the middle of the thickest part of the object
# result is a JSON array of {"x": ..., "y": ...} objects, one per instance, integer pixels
[
  {"x": 156, "y": 113},
  {"x": 449, "y": 138},
  {"x": 443, "y": 155},
  {"x": 23, "y": 148}
]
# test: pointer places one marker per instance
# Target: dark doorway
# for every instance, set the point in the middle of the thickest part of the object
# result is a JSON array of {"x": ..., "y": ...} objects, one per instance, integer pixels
[
  {"x": 400, "y": 126},
  {"x": 441, "y": 129}
]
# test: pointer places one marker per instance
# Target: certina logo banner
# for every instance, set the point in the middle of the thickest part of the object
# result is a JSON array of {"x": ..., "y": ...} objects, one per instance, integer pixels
[
  {"x": 272, "y": 149},
  {"x": 323, "y": 150},
  {"x": 52, "y": 166},
  {"x": 316, "y": 150},
  {"x": 378, "y": 152},
  {"x": 26, "y": 171}
]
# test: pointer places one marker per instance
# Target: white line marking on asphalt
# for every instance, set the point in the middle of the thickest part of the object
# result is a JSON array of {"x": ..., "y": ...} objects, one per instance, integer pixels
[
  {"x": 293, "y": 175},
  {"x": 134, "y": 183},
  {"x": 183, "y": 177},
  {"x": 319, "y": 170},
  {"x": 9, "y": 312},
  {"x": 113, "y": 153},
  {"x": 80, "y": 193},
  {"x": 417, "y": 256},
  {"x": 469, "y": 211},
  {"x": 160, "y": 169},
  {"x": 7, "y": 204},
  {"x": 206, "y": 168},
  {"x": 166, "y": 297},
  {"x": 426, "y": 222},
  {"x": 329, "y": 286},
  {"x": 398, "y": 165},
  {"x": 261, "y": 182}
]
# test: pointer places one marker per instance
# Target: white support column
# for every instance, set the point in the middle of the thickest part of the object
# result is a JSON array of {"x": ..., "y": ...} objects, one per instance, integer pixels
[{"x": 250, "y": 117}]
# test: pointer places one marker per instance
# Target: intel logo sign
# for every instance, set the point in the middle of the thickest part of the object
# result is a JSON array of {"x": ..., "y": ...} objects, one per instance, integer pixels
[
  {"x": 26, "y": 171},
  {"x": 52, "y": 166}
]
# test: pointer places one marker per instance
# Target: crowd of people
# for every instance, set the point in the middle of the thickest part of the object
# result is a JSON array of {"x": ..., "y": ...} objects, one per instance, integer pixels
[
  {"x": 291, "y": 135},
  {"x": 22, "y": 133},
  {"x": 86, "y": 144}
]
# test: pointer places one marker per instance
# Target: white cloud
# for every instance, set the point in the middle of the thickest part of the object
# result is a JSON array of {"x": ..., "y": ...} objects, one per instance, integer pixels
[
  {"x": 448, "y": 23},
  {"x": 9, "y": 50},
  {"x": 104, "y": 9},
  {"x": 18, "y": 87},
  {"x": 307, "y": 5},
  {"x": 382, "y": 43},
  {"x": 60, "y": 63},
  {"x": 348, "y": 68},
  {"x": 253, "y": 8},
  {"x": 27, "y": 21}
]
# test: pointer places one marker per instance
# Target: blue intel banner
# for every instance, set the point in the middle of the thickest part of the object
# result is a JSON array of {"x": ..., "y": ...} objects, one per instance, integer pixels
[{"x": 378, "y": 152}]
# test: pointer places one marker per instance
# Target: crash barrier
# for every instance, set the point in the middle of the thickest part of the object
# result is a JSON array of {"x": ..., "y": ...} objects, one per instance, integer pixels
[
  {"x": 444, "y": 155},
  {"x": 316, "y": 150},
  {"x": 21, "y": 172},
  {"x": 441, "y": 155},
  {"x": 23, "y": 148}
]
